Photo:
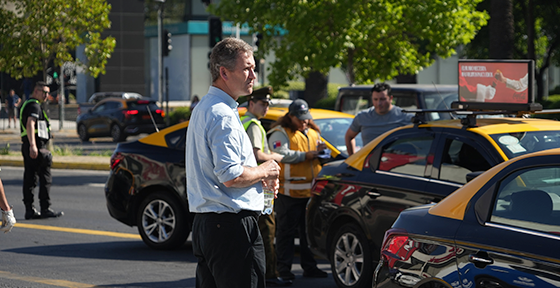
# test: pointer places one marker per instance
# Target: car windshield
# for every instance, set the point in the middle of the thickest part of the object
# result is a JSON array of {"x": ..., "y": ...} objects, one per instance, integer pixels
[
  {"x": 333, "y": 131},
  {"x": 141, "y": 105},
  {"x": 520, "y": 143}
]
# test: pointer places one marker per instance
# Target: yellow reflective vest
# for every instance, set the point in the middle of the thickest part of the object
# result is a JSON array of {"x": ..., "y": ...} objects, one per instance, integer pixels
[{"x": 295, "y": 179}]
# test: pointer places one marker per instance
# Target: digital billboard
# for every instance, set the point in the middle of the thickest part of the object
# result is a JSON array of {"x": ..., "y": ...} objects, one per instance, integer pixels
[{"x": 496, "y": 81}]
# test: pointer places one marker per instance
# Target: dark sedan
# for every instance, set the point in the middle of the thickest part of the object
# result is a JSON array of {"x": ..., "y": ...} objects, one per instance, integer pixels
[
  {"x": 502, "y": 229},
  {"x": 119, "y": 118}
]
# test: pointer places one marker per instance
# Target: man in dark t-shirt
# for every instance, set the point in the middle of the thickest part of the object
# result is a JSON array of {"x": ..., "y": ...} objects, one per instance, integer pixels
[{"x": 35, "y": 133}]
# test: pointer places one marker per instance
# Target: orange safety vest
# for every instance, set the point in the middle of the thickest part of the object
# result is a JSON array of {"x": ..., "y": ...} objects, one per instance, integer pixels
[{"x": 306, "y": 169}]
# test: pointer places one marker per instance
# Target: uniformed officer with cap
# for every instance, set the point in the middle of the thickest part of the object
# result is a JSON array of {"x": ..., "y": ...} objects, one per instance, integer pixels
[{"x": 257, "y": 107}]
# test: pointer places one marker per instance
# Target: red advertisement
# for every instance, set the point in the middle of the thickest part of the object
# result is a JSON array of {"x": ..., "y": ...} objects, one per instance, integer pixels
[{"x": 497, "y": 81}]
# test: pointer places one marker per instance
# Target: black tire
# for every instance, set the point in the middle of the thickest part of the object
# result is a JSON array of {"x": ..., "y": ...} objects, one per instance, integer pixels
[
  {"x": 82, "y": 133},
  {"x": 117, "y": 134},
  {"x": 351, "y": 258},
  {"x": 162, "y": 222}
]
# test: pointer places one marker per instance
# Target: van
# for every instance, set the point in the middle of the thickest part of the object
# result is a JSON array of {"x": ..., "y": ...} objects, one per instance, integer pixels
[{"x": 353, "y": 99}]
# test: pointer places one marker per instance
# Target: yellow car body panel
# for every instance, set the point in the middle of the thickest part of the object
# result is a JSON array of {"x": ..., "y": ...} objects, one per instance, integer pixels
[{"x": 158, "y": 138}]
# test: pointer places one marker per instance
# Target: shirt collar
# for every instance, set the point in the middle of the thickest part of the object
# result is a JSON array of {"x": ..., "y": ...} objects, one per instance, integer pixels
[{"x": 220, "y": 94}]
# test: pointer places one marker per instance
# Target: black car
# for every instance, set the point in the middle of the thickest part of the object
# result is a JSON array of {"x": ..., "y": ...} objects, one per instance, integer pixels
[
  {"x": 502, "y": 229},
  {"x": 355, "y": 201},
  {"x": 147, "y": 183},
  {"x": 119, "y": 118}
]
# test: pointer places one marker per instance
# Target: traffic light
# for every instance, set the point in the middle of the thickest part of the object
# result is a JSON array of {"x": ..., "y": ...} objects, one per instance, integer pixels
[
  {"x": 166, "y": 45},
  {"x": 257, "y": 39},
  {"x": 214, "y": 30}
]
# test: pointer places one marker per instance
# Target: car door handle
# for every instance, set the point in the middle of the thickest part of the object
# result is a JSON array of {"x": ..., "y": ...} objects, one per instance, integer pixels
[
  {"x": 481, "y": 260},
  {"x": 373, "y": 193}
]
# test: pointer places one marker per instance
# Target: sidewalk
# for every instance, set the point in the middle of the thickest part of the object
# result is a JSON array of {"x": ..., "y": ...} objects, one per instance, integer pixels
[{"x": 59, "y": 162}]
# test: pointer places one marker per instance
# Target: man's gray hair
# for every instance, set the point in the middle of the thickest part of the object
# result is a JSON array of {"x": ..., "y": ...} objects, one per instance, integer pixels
[{"x": 225, "y": 54}]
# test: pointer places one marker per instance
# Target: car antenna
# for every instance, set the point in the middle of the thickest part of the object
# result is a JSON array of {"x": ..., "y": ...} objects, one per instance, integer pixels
[
  {"x": 152, "y": 117},
  {"x": 442, "y": 100}
]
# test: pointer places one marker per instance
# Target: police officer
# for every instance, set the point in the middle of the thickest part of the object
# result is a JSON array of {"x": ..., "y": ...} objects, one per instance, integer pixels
[
  {"x": 257, "y": 107},
  {"x": 35, "y": 133}
]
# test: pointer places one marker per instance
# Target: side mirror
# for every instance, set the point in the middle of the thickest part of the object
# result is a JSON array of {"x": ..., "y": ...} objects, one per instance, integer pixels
[{"x": 472, "y": 175}]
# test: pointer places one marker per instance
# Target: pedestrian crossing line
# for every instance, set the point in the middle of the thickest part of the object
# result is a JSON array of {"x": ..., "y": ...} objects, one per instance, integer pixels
[
  {"x": 53, "y": 282},
  {"x": 79, "y": 231}
]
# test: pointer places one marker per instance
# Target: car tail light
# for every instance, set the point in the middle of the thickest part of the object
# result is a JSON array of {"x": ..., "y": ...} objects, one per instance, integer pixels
[
  {"x": 397, "y": 246},
  {"x": 116, "y": 158},
  {"x": 318, "y": 186},
  {"x": 129, "y": 113},
  {"x": 160, "y": 111},
  {"x": 79, "y": 110}
]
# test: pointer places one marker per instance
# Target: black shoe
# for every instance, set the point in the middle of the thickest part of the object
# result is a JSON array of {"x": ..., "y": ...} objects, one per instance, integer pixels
[
  {"x": 49, "y": 213},
  {"x": 32, "y": 213},
  {"x": 315, "y": 273},
  {"x": 287, "y": 276},
  {"x": 278, "y": 282}
]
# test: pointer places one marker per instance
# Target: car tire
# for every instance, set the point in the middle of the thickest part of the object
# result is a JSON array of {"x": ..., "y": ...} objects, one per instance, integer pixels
[
  {"x": 117, "y": 133},
  {"x": 162, "y": 222},
  {"x": 351, "y": 258},
  {"x": 82, "y": 133}
]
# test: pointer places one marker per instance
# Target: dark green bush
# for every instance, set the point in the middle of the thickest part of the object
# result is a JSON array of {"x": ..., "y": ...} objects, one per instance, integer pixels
[{"x": 179, "y": 115}]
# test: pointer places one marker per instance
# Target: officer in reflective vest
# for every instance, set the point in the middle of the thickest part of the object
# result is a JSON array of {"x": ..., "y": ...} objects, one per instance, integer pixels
[
  {"x": 257, "y": 107},
  {"x": 297, "y": 137},
  {"x": 35, "y": 133}
]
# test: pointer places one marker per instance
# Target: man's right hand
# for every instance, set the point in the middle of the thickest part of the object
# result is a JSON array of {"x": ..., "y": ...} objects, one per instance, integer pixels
[
  {"x": 272, "y": 169},
  {"x": 33, "y": 152}
]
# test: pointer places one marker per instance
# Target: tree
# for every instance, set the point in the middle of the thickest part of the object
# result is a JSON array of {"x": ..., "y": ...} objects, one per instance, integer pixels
[
  {"x": 369, "y": 39},
  {"x": 536, "y": 36},
  {"x": 35, "y": 34}
]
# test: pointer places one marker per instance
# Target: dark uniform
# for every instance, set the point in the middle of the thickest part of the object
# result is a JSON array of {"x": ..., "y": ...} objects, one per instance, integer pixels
[{"x": 40, "y": 167}]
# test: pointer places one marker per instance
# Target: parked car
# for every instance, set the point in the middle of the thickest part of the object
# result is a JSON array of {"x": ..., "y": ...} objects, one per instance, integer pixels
[
  {"x": 353, "y": 99},
  {"x": 499, "y": 230},
  {"x": 98, "y": 96},
  {"x": 119, "y": 118},
  {"x": 147, "y": 184},
  {"x": 356, "y": 200}
]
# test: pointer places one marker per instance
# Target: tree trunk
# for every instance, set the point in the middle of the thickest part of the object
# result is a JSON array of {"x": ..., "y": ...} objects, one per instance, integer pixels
[
  {"x": 315, "y": 87},
  {"x": 501, "y": 29},
  {"x": 350, "y": 75}
]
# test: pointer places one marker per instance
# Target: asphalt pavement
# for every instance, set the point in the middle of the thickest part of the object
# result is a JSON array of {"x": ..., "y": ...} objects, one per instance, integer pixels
[{"x": 68, "y": 130}]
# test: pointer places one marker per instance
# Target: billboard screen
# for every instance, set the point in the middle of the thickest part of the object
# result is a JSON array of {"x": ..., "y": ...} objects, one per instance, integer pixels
[{"x": 496, "y": 81}]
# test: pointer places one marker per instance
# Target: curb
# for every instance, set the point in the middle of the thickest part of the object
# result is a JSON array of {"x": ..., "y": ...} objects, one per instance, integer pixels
[{"x": 61, "y": 165}]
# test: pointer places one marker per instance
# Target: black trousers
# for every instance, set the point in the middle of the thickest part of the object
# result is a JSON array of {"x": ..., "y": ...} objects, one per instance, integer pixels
[
  {"x": 230, "y": 250},
  {"x": 38, "y": 169},
  {"x": 290, "y": 219}
]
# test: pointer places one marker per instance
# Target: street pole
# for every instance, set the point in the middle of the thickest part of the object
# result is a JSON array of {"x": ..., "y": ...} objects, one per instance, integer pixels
[
  {"x": 160, "y": 52},
  {"x": 61, "y": 99}
]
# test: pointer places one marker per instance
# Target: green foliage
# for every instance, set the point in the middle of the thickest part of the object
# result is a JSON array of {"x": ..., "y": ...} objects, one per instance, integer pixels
[
  {"x": 179, "y": 115},
  {"x": 5, "y": 150},
  {"x": 370, "y": 39},
  {"x": 35, "y": 33},
  {"x": 66, "y": 150},
  {"x": 553, "y": 102}
]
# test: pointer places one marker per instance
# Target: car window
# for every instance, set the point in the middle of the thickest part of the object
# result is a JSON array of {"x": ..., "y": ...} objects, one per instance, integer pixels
[
  {"x": 407, "y": 155},
  {"x": 352, "y": 104},
  {"x": 333, "y": 131},
  {"x": 530, "y": 198},
  {"x": 112, "y": 105},
  {"x": 459, "y": 159},
  {"x": 176, "y": 139},
  {"x": 520, "y": 143},
  {"x": 100, "y": 107},
  {"x": 405, "y": 100}
]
